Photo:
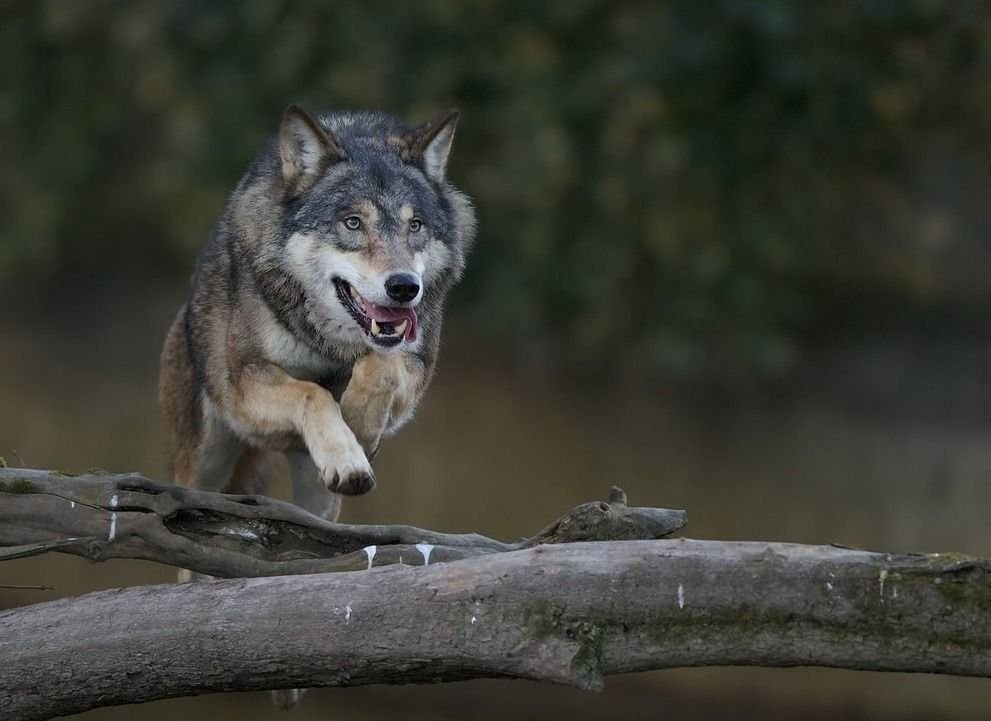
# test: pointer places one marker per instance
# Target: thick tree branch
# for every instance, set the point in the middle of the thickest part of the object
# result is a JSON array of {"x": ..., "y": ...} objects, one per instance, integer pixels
[{"x": 101, "y": 515}]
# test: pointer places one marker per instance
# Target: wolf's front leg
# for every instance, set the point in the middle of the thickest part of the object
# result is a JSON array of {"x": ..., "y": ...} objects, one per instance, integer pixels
[
  {"x": 381, "y": 395},
  {"x": 266, "y": 401}
]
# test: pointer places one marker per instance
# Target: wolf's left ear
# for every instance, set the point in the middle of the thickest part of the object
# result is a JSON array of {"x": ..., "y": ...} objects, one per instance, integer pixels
[
  {"x": 305, "y": 149},
  {"x": 432, "y": 145}
]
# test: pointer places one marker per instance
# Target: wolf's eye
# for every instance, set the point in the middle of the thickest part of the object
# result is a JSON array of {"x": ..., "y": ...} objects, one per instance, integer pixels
[
  {"x": 415, "y": 225},
  {"x": 352, "y": 222}
]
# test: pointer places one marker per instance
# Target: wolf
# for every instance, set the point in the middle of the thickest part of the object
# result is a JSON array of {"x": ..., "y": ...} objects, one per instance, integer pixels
[{"x": 313, "y": 321}]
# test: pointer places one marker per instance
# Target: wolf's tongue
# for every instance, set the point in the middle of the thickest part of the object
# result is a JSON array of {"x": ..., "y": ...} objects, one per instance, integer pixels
[{"x": 384, "y": 314}]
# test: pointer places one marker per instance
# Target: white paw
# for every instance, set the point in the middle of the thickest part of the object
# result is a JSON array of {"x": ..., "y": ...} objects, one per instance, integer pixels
[{"x": 344, "y": 468}]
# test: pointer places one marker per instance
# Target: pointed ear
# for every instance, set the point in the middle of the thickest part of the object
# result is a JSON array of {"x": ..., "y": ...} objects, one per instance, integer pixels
[
  {"x": 305, "y": 148},
  {"x": 432, "y": 144}
]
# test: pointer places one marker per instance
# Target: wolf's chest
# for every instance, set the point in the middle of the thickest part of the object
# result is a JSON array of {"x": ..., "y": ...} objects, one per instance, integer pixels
[{"x": 282, "y": 348}]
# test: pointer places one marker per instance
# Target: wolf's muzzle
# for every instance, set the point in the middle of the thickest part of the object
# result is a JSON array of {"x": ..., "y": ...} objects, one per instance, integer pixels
[{"x": 387, "y": 325}]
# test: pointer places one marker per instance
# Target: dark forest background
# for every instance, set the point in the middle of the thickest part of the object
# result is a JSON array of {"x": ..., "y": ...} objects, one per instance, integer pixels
[
  {"x": 734, "y": 256},
  {"x": 707, "y": 184}
]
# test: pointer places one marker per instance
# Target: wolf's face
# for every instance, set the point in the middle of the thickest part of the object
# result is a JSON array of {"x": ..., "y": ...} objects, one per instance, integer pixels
[{"x": 370, "y": 225}]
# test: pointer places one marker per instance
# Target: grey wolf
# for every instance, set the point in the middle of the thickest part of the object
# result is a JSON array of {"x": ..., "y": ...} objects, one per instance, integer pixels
[{"x": 313, "y": 321}]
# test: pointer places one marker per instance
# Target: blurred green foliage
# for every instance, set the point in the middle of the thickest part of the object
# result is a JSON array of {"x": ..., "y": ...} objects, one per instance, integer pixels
[{"x": 696, "y": 181}]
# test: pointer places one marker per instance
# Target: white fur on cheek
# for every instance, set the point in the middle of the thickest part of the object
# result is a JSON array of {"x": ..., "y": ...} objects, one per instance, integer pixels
[
  {"x": 432, "y": 260},
  {"x": 315, "y": 264}
]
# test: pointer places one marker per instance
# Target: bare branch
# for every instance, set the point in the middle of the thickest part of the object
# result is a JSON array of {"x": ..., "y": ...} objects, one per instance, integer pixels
[{"x": 101, "y": 515}]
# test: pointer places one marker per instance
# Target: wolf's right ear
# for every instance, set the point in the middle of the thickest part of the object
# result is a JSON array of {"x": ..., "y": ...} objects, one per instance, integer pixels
[
  {"x": 305, "y": 148},
  {"x": 431, "y": 144}
]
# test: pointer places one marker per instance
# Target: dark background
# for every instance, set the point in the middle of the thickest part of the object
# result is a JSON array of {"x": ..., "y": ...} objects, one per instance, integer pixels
[{"x": 735, "y": 256}]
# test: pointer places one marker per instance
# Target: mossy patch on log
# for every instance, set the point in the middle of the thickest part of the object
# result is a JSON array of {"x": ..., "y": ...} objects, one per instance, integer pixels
[{"x": 18, "y": 486}]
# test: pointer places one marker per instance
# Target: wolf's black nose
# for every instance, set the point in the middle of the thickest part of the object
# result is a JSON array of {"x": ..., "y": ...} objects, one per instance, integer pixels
[{"x": 402, "y": 287}]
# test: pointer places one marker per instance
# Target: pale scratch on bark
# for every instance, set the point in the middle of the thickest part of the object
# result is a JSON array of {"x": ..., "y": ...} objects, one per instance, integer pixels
[{"x": 113, "y": 519}]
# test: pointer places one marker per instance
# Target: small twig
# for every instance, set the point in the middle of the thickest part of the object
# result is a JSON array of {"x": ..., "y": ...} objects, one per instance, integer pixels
[
  {"x": 15, "y": 587},
  {"x": 8, "y": 553}
]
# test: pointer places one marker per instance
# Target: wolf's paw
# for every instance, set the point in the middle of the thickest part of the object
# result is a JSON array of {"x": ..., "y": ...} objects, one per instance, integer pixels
[
  {"x": 356, "y": 484},
  {"x": 346, "y": 471}
]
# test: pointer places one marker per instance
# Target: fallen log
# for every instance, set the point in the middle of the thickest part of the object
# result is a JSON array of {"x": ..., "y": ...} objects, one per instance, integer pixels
[{"x": 573, "y": 612}]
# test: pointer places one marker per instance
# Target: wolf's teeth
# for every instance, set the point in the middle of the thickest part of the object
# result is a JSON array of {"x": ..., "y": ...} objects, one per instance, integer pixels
[
  {"x": 354, "y": 293},
  {"x": 401, "y": 328},
  {"x": 375, "y": 327}
]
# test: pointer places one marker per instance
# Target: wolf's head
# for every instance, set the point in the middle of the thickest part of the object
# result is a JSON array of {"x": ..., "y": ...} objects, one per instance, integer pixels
[{"x": 371, "y": 234}]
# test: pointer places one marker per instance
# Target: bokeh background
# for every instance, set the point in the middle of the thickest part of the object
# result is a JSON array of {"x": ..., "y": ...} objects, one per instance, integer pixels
[{"x": 734, "y": 256}]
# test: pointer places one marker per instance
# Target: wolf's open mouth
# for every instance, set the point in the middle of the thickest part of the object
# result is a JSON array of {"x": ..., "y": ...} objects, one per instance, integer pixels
[{"x": 386, "y": 325}]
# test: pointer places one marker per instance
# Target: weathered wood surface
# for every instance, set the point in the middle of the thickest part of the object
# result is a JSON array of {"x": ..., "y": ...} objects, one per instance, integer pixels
[
  {"x": 570, "y": 613},
  {"x": 100, "y": 516},
  {"x": 573, "y": 612}
]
